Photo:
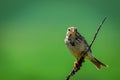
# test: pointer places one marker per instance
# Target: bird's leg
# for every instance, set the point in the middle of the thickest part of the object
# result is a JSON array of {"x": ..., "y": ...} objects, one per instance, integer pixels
[{"x": 76, "y": 65}]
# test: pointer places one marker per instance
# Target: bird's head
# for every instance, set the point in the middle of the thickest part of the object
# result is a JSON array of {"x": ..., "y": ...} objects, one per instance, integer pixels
[{"x": 71, "y": 31}]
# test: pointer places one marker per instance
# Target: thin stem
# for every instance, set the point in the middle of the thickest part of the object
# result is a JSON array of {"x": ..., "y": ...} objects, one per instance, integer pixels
[{"x": 97, "y": 32}]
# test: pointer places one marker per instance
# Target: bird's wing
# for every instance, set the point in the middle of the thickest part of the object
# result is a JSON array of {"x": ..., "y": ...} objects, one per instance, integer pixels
[
  {"x": 87, "y": 45},
  {"x": 84, "y": 40}
]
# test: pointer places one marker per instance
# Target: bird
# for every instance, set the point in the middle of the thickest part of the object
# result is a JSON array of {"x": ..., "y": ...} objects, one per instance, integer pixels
[{"x": 76, "y": 44}]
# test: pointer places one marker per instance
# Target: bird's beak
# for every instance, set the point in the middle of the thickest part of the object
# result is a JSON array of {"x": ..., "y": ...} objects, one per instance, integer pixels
[{"x": 73, "y": 32}]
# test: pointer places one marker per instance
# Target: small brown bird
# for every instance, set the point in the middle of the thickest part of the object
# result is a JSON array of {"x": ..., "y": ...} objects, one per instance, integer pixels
[{"x": 76, "y": 43}]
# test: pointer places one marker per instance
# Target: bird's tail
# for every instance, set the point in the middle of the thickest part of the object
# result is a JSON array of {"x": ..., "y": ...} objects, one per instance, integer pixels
[{"x": 97, "y": 63}]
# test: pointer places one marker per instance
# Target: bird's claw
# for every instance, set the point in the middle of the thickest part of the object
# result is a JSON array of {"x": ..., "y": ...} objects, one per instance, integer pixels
[{"x": 76, "y": 65}]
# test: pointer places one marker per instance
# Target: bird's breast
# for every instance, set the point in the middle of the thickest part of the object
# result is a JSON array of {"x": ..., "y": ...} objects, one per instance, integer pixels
[{"x": 77, "y": 48}]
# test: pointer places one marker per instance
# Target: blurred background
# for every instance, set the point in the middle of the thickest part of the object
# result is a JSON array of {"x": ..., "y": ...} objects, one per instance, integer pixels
[{"x": 32, "y": 36}]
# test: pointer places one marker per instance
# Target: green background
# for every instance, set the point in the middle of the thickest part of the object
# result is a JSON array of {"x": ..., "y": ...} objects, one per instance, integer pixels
[{"x": 32, "y": 38}]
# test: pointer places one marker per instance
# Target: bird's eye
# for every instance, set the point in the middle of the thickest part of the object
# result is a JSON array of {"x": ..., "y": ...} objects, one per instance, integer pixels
[{"x": 68, "y": 29}]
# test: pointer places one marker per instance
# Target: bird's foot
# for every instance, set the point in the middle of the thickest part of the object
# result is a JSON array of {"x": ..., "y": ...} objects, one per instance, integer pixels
[{"x": 76, "y": 65}]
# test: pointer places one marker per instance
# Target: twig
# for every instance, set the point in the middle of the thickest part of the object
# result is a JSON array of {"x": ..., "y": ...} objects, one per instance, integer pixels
[
  {"x": 84, "y": 52},
  {"x": 96, "y": 33},
  {"x": 78, "y": 68}
]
